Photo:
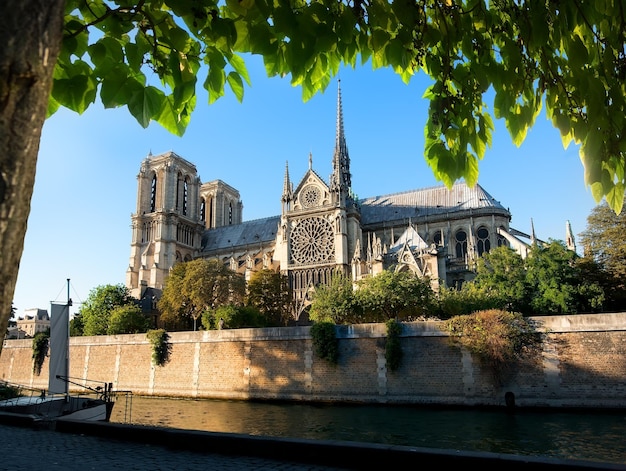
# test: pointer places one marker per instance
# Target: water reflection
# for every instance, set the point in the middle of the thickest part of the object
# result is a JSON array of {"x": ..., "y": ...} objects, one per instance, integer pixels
[{"x": 593, "y": 436}]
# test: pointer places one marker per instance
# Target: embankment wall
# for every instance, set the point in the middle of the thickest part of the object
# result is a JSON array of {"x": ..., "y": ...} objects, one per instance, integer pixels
[{"x": 582, "y": 364}]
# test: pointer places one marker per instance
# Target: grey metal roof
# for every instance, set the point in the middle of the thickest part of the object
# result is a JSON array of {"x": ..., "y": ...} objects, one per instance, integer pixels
[
  {"x": 252, "y": 232},
  {"x": 409, "y": 205},
  {"x": 416, "y": 204}
]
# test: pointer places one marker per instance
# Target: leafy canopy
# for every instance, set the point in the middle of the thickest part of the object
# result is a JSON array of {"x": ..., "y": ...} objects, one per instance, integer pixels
[
  {"x": 96, "y": 311},
  {"x": 565, "y": 55},
  {"x": 197, "y": 286}
]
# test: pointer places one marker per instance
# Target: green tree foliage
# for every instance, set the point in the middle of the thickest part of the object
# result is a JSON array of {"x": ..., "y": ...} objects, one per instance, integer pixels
[
  {"x": 451, "y": 302},
  {"x": 151, "y": 56},
  {"x": 557, "y": 283},
  {"x": 335, "y": 302},
  {"x": 604, "y": 255},
  {"x": 233, "y": 317},
  {"x": 127, "y": 319},
  {"x": 498, "y": 338},
  {"x": 390, "y": 294},
  {"x": 197, "y": 286},
  {"x": 501, "y": 277},
  {"x": 269, "y": 292},
  {"x": 564, "y": 55},
  {"x": 77, "y": 326},
  {"x": 102, "y": 300}
]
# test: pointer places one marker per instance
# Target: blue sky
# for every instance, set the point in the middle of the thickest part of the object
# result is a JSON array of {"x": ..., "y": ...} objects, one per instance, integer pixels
[{"x": 85, "y": 188}]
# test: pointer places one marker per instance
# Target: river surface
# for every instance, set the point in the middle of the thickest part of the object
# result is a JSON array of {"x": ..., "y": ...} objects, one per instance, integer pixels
[{"x": 591, "y": 436}]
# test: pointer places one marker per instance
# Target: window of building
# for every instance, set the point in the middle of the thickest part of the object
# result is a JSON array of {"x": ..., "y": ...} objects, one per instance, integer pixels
[
  {"x": 153, "y": 188},
  {"x": 202, "y": 209},
  {"x": 185, "y": 195},
  {"x": 460, "y": 246},
  {"x": 482, "y": 243},
  {"x": 230, "y": 213}
]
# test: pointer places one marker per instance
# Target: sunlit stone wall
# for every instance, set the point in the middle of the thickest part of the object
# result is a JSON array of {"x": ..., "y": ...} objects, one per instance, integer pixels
[{"x": 583, "y": 364}]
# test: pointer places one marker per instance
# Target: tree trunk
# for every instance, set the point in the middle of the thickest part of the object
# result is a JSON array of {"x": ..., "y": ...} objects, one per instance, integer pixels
[{"x": 30, "y": 34}]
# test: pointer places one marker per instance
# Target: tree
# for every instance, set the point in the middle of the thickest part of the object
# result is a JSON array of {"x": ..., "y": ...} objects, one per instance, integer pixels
[
  {"x": 101, "y": 302},
  {"x": 77, "y": 327},
  {"x": 335, "y": 302},
  {"x": 392, "y": 294},
  {"x": 501, "y": 276},
  {"x": 566, "y": 55},
  {"x": 556, "y": 283},
  {"x": 197, "y": 286},
  {"x": 233, "y": 317},
  {"x": 269, "y": 292},
  {"x": 127, "y": 319},
  {"x": 603, "y": 240}
]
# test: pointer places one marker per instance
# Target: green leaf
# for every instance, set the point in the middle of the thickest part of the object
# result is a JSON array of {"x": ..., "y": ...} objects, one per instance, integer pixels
[
  {"x": 146, "y": 104},
  {"x": 236, "y": 85},
  {"x": 75, "y": 93}
]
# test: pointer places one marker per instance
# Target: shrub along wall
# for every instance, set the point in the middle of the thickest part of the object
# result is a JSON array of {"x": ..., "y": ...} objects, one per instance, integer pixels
[{"x": 582, "y": 364}]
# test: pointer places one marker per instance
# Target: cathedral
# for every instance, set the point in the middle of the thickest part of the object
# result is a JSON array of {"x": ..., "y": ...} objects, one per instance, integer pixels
[{"x": 322, "y": 229}]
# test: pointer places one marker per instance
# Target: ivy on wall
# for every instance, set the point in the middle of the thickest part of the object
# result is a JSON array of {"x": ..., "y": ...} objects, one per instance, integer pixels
[
  {"x": 393, "y": 349},
  {"x": 325, "y": 343},
  {"x": 40, "y": 350},
  {"x": 159, "y": 339}
]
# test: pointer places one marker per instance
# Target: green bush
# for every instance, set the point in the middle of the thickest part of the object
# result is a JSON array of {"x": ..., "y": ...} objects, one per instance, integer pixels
[
  {"x": 498, "y": 338},
  {"x": 159, "y": 339},
  {"x": 325, "y": 343},
  {"x": 393, "y": 349}
]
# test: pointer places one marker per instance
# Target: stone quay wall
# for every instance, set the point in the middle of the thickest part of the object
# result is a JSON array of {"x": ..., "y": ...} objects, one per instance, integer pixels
[{"x": 582, "y": 364}]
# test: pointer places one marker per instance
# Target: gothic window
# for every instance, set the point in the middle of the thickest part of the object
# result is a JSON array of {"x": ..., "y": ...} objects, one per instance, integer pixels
[
  {"x": 501, "y": 241},
  {"x": 230, "y": 213},
  {"x": 178, "y": 190},
  {"x": 437, "y": 239},
  {"x": 185, "y": 195},
  {"x": 202, "y": 209},
  {"x": 210, "y": 224},
  {"x": 312, "y": 241},
  {"x": 483, "y": 243},
  {"x": 311, "y": 196},
  {"x": 153, "y": 188},
  {"x": 460, "y": 245}
]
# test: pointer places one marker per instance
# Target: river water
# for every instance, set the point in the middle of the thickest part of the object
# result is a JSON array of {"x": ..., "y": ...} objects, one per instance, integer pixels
[{"x": 592, "y": 436}]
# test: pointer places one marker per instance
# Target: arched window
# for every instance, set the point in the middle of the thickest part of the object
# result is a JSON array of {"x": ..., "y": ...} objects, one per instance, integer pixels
[
  {"x": 483, "y": 243},
  {"x": 438, "y": 238},
  {"x": 210, "y": 224},
  {"x": 185, "y": 195},
  {"x": 202, "y": 209},
  {"x": 230, "y": 213},
  {"x": 153, "y": 187},
  {"x": 460, "y": 245}
]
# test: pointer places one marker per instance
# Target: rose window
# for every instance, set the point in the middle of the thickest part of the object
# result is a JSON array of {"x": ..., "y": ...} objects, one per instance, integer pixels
[
  {"x": 310, "y": 196},
  {"x": 312, "y": 241}
]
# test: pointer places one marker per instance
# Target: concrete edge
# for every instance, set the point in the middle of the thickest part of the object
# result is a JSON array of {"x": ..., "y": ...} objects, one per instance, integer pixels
[{"x": 350, "y": 455}]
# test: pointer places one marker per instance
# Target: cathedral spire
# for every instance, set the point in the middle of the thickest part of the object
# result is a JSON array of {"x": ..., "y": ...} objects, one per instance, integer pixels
[
  {"x": 287, "y": 189},
  {"x": 341, "y": 160},
  {"x": 569, "y": 237}
]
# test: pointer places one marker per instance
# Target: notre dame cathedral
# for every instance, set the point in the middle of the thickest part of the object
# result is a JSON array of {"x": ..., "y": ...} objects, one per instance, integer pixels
[{"x": 322, "y": 228}]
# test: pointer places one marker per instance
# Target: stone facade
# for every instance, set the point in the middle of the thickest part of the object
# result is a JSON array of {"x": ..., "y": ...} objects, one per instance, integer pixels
[
  {"x": 582, "y": 365},
  {"x": 322, "y": 229}
]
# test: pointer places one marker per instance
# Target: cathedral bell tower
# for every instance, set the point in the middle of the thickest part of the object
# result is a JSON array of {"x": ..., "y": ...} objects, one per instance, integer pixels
[
  {"x": 167, "y": 227},
  {"x": 320, "y": 224}
]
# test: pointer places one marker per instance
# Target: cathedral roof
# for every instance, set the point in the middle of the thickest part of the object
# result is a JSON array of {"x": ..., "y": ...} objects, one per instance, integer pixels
[
  {"x": 427, "y": 202},
  {"x": 406, "y": 206},
  {"x": 253, "y": 232}
]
